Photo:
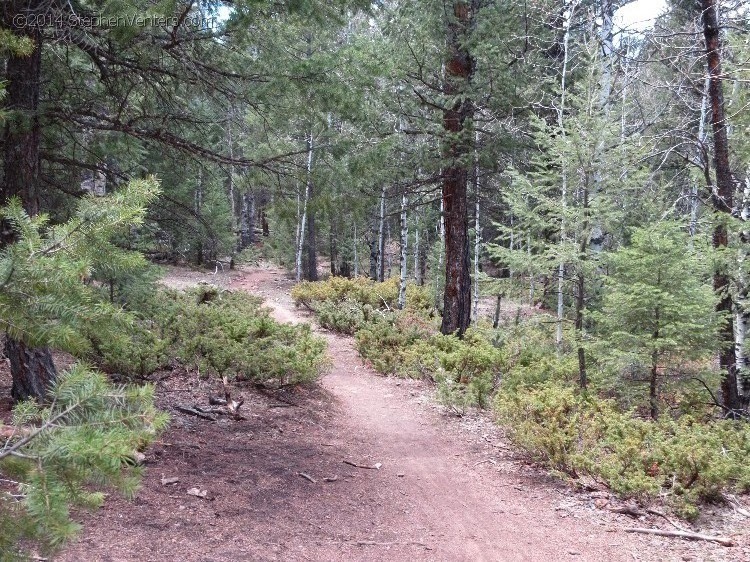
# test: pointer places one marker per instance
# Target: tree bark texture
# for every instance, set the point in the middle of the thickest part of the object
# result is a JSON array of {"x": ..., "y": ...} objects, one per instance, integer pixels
[
  {"x": 722, "y": 200},
  {"x": 247, "y": 220},
  {"x": 32, "y": 369},
  {"x": 457, "y": 146}
]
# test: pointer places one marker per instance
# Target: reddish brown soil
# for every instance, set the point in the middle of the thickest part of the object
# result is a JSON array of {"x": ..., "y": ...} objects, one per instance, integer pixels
[{"x": 447, "y": 489}]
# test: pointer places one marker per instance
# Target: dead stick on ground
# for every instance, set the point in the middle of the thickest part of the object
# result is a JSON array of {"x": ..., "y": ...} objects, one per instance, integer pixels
[
  {"x": 307, "y": 477},
  {"x": 682, "y": 534},
  {"x": 354, "y": 464},
  {"x": 375, "y": 543},
  {"x": 194, "y": 412},
  {"x": 660, "y": 514},
  {"x": 493, "y": 461}
]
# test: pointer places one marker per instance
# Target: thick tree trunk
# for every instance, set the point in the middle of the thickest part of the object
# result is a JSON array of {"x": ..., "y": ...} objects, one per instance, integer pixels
[
  {"x": 32, "y": 369},
  {"x": 22, "y": 135},
  {"x": 459, "y": 69},
  {"x": 722, "y": 200}
]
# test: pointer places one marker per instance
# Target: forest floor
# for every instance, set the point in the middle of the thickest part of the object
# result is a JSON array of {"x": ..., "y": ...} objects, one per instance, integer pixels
[{"x": 447, "y": 487}]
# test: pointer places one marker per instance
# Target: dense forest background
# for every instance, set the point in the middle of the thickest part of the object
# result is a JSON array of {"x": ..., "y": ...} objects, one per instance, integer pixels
[{"x": 538, "y": 153}]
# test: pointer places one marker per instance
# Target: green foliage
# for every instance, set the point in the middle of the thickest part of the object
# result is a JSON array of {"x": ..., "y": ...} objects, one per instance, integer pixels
[
  {"x": 85, "y": 439},
  {"x": 345, "y": 317},
  {"x": 362, "y": 291},
  {"x": 658, "y": 310},
  {"x": 135, "y": 352},
  {"x": 657, "y": 297},
  {"x": 465, "y": 370},
  {"x": 384, "y": 341},
  {"x": 43, "y": 300},
  {"x": 225, "y": 333},
  {"x": 579, "y": 434}
]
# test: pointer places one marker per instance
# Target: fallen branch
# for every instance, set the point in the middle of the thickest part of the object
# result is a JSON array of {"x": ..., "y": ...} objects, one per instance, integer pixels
[
  {"x": 633, "y": 511},
  {"x": 682, "y": 534},
  {"x": 376, "y": 543},
  {"x": 660, "y": 514},
  {"x": 735, "y": 504},
  {"x": 307, "y": 477},
  {"x": 493, "y": 461},
  {"x": 376, "y": 466},
  {"x": 194, "y": 412}
]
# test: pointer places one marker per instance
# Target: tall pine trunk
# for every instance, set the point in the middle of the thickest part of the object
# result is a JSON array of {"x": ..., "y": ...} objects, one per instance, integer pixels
[
  {"x": 459, "y": 69},
  {"x": 32, "y": 369},
  {"x": 722, "y": 200}
]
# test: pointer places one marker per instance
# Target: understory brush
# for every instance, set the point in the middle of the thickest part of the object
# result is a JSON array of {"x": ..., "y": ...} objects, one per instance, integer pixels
[
  {"x": 577, "y": 434},
  {"x": 362, "y": 292},
  {"x": 216, "y": 332},
  {"x": 533, "y": 389}
]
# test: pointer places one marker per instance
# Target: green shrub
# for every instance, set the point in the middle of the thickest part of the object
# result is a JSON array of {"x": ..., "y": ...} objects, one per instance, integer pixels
[
  {"x": 360, "y": 290},
  {"x": 215, "y": 331},
  {"x": 135, "y": 353},
  {"x": 382, "y": 342},
  {"x": 579, "y": 434},
  {"x": 345, "y": 317},
  {"x": 465, "y": 370},
  {"x": 225, "y": 333}
]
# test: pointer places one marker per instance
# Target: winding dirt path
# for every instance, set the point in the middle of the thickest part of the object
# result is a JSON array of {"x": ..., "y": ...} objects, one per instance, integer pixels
[{"x": 446, "y": 490}]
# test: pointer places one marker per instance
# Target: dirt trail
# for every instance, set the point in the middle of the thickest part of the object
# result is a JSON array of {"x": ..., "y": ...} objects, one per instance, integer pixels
[{"x": 446, "y": 490}]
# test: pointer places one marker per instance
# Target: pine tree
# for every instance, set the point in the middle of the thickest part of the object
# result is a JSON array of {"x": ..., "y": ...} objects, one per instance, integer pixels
[
  {"x": 43, "y": 299},
  {"x": 658, "y": 307},
  {"x": 87, "y": 432}
]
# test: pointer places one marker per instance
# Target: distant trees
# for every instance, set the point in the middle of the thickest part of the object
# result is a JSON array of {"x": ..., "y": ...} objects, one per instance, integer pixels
[{"x": 351, "y": 136}]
